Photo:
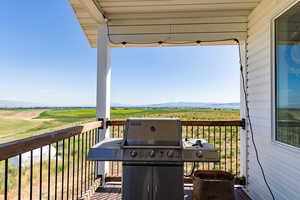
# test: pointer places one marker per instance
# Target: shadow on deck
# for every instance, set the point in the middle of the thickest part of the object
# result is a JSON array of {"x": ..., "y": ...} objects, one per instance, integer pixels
[{"x": 113, "y": 191}]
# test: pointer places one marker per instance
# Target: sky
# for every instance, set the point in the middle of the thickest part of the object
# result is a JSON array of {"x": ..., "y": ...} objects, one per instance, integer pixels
[
  {"x": 45, "y": 58},
  {"x": 288, "y": 76}
]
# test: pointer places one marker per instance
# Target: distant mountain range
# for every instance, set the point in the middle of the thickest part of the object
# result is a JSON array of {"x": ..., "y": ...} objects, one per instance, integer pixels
[
  {"x": 18, "y": 104},
  {"x": 195, "y": 105},
  {"x": 209, "y": 105}
]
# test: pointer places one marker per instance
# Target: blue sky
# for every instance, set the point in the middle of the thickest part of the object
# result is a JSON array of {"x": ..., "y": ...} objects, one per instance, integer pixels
[
  {"x": 45, "y": 58},
  {"x": 288, "y": 76}
]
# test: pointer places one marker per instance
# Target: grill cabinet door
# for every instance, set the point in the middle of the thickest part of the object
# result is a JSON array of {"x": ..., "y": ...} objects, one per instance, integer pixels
[
  {"x": 168, "y": 182},
  {"x": 137, "y": 182}
]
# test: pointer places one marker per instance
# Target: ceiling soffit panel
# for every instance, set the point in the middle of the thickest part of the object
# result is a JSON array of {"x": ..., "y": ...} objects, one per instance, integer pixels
[{"x": 145, "y": 23}]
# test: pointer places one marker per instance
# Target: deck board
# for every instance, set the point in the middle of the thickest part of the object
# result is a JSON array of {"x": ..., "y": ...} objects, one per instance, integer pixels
[{"x": 113, "y": 191}]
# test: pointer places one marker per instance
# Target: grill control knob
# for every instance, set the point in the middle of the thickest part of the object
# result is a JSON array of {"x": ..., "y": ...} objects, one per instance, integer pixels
[
  {"x": 133, "y": 153},
  {"x": 170, "y": 154},
  {"x": 199, "y": 154},
  {"x": 152, "y": 153}
]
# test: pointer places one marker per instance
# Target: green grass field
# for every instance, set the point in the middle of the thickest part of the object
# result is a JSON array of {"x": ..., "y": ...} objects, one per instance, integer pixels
[
  {"x": 21, "y": 123},
  {"x": 17, "y": 124}
]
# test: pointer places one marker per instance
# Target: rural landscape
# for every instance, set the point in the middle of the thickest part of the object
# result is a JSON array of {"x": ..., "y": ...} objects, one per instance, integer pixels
[{"x": 21, "y": 123}]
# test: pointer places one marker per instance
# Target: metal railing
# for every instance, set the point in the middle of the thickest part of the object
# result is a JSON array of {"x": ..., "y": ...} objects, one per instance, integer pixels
[
  {"x": 223, "y": 135},
  {"x": 49, "y": 166},
  {"x": 54, "y": 165}
]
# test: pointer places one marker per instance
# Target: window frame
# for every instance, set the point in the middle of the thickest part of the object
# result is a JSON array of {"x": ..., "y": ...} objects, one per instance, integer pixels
[{"x": 274, "y": 81}]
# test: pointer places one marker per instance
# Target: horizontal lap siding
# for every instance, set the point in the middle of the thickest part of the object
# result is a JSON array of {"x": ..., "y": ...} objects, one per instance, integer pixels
[{"x": 281, "y": 165}]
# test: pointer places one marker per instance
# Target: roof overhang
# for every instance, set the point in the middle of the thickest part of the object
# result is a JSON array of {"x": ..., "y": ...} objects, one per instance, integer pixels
[{"x": 174, "y": 22}]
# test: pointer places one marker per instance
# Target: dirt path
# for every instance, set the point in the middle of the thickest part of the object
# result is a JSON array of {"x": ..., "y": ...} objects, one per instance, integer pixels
[{"x": 21, "y": 115}]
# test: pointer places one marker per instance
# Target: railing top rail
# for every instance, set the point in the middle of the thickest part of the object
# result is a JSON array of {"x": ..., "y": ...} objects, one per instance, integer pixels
[
  {"x": 10, "y": 149},
  {"x": 188, "y": 123},
  {"x": 212, "y": 123}
]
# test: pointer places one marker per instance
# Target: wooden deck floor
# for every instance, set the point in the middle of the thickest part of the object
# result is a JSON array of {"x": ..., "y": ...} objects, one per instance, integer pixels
[{"x": 113, "y": 191}]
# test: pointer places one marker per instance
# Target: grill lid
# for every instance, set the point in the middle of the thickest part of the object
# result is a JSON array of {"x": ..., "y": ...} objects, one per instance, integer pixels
[{"x": 152, "y": 132}]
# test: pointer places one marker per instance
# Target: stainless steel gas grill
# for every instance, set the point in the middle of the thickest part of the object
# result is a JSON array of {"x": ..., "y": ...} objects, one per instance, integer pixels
[{"x": 153, "y": 153}]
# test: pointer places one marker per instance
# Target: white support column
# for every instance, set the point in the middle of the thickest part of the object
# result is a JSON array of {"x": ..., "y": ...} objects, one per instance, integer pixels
[
  {"x": 243, "y": 133},
  {"x": 103, "y": 87}
]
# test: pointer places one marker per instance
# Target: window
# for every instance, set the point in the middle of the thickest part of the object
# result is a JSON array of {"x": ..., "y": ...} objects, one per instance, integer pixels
[{"x": 287, "y": 76}]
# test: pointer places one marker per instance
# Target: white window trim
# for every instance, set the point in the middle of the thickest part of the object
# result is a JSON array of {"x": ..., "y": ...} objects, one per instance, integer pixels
[{"x": 273, "y": 82}]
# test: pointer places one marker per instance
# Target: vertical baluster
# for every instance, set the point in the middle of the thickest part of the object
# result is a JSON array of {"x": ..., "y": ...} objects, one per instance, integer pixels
[
  {"x": 95, "y": 167},
  {"x": 49, "y": 169},
  {"x": 56, "y": 168},
  {"x": 118, "y": 163},
  {"x": 78, "y": 166},
  {"x": 214, "y": 143},
  {"x": 6, "y": 180},
  {"x": 41, "y": 171},
  {"x": 191, "y": 136},
  {"x": 203, "y": 134},
  {"x": 20, "y": 177},
  {"x": 85, "y": 161},
  {"x": 63, "y": 169},
  {"x": 192, "y": 131},
  {"x": 73, "y": 172},
  {"x": 111, "y": 173},
  {"x": 220, "y": 145},
  {"x": 31, "y": 174},
  {"x": 92, "y": 163},
  {"x": 113, "y": 131},
  {"x": 96, "y": 163},
  {"x": 236, "y": 149},
  {"x": 186, "y": 167},
  {"x": 231, "y": 149},
  {"x": 225, "y": 146},
  {"x": 68, "y": 167},
  {"x": 111, "y": 163},
  {"x": 82, "y": 153},
  {"x": 123, "y": 129},
  {"x": 88, "y": 162},
  {"x": 208, "y": 163},
  {"x": 208, "y": 136},
  {"x": 198, "y": 133}
]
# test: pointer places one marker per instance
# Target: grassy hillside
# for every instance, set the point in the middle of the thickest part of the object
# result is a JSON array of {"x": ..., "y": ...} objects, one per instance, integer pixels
[{"x": 17, "y": 124}]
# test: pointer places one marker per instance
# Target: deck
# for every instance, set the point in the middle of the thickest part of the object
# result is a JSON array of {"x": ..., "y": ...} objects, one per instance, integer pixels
[{"x": 113, "y": 191}]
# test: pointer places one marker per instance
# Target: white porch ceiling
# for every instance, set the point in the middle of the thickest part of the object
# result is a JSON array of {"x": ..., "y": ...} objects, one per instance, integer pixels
[{"x": 171, "y": 21}]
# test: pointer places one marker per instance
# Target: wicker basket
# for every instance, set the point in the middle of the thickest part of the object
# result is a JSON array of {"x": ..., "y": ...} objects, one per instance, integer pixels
[{"x": 213, "y": 185}]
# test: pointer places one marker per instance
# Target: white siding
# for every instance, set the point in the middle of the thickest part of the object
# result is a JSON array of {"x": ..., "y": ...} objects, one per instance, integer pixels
[{"x": 281, "y": 164}]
